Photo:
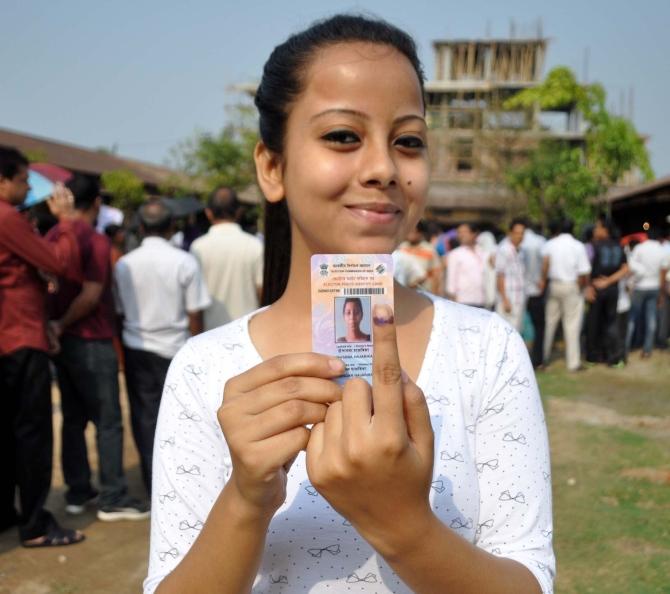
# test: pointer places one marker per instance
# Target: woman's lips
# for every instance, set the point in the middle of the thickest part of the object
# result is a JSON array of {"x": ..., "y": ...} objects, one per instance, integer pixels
[{"x": 383, "y": 215}]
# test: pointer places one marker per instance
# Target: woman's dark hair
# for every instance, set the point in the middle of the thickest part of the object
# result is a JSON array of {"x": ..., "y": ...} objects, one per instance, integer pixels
[
  {"x": 355, "y": 300},
  {"x": 280, "y": 86}
]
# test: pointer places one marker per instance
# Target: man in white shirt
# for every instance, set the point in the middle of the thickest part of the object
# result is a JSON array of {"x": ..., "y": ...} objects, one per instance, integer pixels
[
  {"x": 231, "y": 261},
  {"x": 566, "y": 268},
  {"x": 531, "y": 251},
  {"x": 649, "y": 263},
  {"x": 510, "y": 276},
  {"x": 161, "y": 294},
  {"x": 465, "y": 269},
  {"x": 664, "y": 316}
]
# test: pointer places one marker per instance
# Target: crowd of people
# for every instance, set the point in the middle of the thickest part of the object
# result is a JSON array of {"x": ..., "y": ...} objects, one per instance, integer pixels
[
  {"x": 261, "y": 470},
  {"x": 80, "y": 304},
  {"x": 84, "y": 301},
  {"x": 610, "y": 295}
]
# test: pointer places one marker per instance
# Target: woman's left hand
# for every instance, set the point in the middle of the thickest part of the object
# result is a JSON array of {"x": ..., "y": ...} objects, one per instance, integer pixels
[{"x": 372, "y": 457}]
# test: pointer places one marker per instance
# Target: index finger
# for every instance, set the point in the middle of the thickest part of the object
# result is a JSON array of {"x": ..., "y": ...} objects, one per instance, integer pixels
[
  {"x": 386, "y": 371},
  {"x": 282, "y": 366}
]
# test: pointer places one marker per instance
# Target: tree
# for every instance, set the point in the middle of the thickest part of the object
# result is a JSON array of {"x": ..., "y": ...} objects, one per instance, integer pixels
[
  {"x": 125, "y": 186},
  {"x": 225, "y": 158},
  {"x": 560, "y": 179},
  {"x": 555, "y": 182}
]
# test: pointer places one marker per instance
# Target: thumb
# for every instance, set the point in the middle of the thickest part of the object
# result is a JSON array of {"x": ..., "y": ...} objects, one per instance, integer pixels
[{"x": 417, "y": 415}]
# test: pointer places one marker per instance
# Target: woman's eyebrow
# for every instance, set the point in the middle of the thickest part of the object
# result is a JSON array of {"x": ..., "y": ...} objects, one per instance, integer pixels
[
  {"x": 411, "y": 116},
  {"x": 341, "y": 111},
  {"x": 364, "y": 116}
]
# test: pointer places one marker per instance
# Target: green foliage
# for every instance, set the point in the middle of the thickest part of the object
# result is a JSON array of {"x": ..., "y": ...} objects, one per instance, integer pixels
[
  {"x": 560, "y": 90},
  {"x": 225, "y": 158},
  {"x": 614, "y": 147},
  {"x": 36, "y": 155},
  {"x": 556, "y": 181},
  {"x": 561, "y": 180},
  {"x": 125, "y": 186}
]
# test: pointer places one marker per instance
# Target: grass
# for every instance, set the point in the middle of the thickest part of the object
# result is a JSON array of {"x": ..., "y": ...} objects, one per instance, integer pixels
[{"x": 612, "y": 532}]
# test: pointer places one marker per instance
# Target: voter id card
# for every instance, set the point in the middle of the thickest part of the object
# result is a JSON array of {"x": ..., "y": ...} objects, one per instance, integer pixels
[{"x": 345, "y": 289}]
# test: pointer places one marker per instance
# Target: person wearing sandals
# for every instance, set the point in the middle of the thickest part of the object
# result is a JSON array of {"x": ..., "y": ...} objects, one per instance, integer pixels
[{"x": 26, "y": 438}]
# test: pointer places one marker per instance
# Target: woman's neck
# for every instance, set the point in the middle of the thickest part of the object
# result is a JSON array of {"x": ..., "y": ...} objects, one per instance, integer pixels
[{"x": 354, "y": 335}]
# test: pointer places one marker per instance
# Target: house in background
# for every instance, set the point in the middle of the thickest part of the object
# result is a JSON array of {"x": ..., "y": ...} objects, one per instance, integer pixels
[{"x": 636, "y": 209}]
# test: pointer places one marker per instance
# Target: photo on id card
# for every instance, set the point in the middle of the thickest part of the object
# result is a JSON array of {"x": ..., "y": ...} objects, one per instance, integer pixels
[{"x": 345, "y": 290}]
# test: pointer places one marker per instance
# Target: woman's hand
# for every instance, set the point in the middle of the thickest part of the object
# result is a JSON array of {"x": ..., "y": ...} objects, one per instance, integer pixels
[
  {"x": 372, "y": 457},
  {"x": 263, "y": 417}
]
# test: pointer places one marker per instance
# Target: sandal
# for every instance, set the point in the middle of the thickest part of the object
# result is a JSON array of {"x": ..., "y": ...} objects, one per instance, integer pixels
[{"x": 56, "y": 536}]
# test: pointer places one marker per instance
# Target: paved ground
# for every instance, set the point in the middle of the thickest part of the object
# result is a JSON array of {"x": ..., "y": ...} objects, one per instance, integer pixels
[{"x": 111, "y": 560}]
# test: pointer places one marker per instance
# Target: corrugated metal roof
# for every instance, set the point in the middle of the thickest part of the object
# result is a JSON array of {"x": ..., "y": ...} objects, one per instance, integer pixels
[
  {"x": 82, "y": 159},
  {"x": 622, "y": 194}
]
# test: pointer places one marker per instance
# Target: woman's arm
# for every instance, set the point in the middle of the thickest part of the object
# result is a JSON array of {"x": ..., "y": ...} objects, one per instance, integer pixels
[
  {"x": 207, "y": 537},
  {"x": 226, "y": 555},
  {"x": 432, "y": 559},
  {"x": 372, "y": 460}
]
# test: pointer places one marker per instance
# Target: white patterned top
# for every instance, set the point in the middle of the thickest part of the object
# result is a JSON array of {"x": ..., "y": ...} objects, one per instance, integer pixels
[{"x": 491, "y": 480}]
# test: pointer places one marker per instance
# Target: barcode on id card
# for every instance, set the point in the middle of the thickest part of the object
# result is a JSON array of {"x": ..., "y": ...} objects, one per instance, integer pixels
[{"x": 364, "y": 290}]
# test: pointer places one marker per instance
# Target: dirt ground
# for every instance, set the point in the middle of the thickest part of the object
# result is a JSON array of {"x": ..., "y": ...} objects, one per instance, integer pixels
[{"x": 113, "y": 559}]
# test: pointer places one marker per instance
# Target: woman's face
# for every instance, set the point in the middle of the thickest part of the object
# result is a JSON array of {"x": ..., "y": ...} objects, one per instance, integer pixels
[
  {"x": 355, "y": 163},
  {"x": 352, "y": 315}
]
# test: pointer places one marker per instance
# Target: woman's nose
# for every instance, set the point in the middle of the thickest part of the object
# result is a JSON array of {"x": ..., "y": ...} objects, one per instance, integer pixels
[{"x": 378, "y": 167}]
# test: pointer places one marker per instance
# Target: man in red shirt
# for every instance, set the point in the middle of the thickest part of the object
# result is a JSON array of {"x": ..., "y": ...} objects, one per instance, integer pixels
[
  {"x": 26, "y": 439},
  {"x": 82, "y": 317}
]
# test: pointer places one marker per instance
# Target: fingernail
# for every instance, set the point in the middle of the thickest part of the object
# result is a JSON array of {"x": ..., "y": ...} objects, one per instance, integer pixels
[
  {"x": 403, "y": 376},
  {"x": 382, "y": 314},
  {"x": 336, "y": 365}
]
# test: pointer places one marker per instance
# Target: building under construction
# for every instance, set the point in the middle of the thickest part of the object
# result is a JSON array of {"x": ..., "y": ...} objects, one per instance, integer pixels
[{"x": 473, "y": 140}]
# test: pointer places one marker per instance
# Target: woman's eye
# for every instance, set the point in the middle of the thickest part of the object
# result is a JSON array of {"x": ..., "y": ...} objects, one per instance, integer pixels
[
  {"x": 411, "y": 142},
  {"x": 342, "y": 137}
]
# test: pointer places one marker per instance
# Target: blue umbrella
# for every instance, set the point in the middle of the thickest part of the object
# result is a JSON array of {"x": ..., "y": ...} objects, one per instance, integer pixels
[{"x": 40, "y": 189}]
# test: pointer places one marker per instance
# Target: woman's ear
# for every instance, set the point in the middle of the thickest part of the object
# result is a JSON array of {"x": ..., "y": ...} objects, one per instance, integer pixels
[{"x": 269, "y": 173}]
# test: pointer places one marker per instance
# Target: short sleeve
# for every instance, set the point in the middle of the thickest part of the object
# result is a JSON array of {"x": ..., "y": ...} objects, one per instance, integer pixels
[
  {"x": 119, "y": 272},
  {"x": 190, "y": 466},
  {"x": 259, "y": 267},
  {"x": 452, "y": 272},
  {"x": 196, "y": 295},
  {"x": 501, "y": 260},
  {"x": 512, "y": 459},
  {"x": 583, "y": 263}
]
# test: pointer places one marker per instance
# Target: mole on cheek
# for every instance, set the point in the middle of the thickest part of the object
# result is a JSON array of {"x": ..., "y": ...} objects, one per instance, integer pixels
[{"x": 409, "y": 183}]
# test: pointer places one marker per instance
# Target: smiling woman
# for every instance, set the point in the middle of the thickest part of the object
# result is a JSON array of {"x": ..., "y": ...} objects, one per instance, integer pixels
[{"x": 296, "y": 482}]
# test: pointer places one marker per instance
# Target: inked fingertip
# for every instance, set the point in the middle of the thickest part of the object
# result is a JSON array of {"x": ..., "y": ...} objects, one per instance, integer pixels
[{"x": 382, "y": 314}]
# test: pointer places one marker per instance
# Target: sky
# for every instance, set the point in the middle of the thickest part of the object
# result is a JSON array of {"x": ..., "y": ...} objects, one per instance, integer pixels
[{"x": 143, "y": 75}]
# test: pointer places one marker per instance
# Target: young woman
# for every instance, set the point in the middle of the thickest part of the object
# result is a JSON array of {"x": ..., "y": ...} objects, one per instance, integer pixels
[
  {"x": 436, "y": 479},
  {"x": 352, "y": 315}
]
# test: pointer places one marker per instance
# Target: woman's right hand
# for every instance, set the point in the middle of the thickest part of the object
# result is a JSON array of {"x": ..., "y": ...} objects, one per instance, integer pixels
[{"x": 263, "y": 418}]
